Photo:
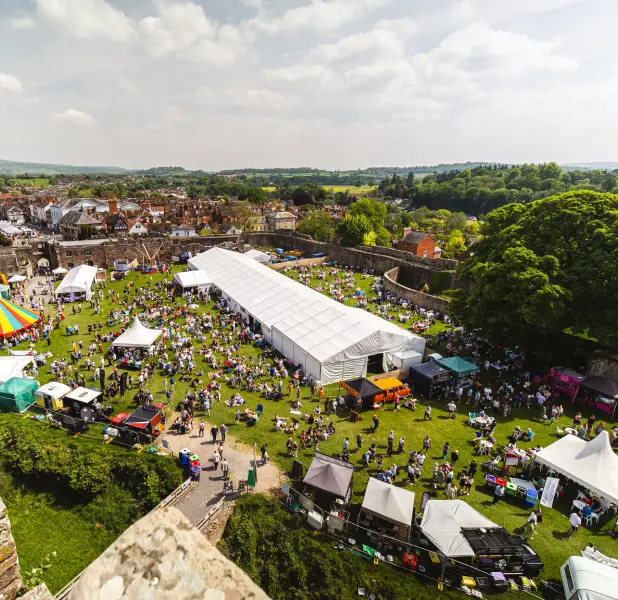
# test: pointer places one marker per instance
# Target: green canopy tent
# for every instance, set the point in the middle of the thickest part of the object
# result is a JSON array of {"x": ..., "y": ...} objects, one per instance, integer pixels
[
  {"x": 17, "y": 394},
  {"x": 461, "y": 368},
  {"x": 5, "y": 291}
]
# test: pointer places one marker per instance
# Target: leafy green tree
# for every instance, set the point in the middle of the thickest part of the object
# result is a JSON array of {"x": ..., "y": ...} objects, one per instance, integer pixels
[
  {"x": 86, "y": 232},
  {"x": 353, "y": 228},
  {"x": 609, "y": 183},
  {"x": 374, "y": 210},
  {"x": 456, "y": 221},
  {"x": 319, "y": 225},
  {"x": 255, "y": 195},
  {"x": 371, "y": 182},
  {"x": 545, "y": 267},
  {"x": 455, "y": 244},
  {"x": 383, "y": 237},
  {"x": 550, "y": 171}
]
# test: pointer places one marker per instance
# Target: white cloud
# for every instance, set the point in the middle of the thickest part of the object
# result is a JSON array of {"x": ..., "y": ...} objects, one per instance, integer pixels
[
  {"x": 378, "y": 42},
  {"x": 321, "y": 15},
  {"x": 10, "y": 83},
  {"x": 296, "y": 73},
  {"x": 71, "y": 115},
  {"x": 183, "y": 29},
  {"x": 258, "y": 98},
  {"x": 481, "y": 47},
  {"x": 21, "y": 23},
  {"x": 88, "y": 18}
]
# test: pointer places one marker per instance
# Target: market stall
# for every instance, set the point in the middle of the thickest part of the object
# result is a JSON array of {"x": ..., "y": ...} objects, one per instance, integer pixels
[
  {"x": 387, "y": 508},
  {"x": 17, "y": 394},
  {"x": 84, "y": 403},
  {"x": 458, "y": 531},
  {"x": 330, "y": 478},
  {"x": 462, "y": 370},
  {"x": 592, "y": 465},
  {"x": 361, "y": 393},
  {"x": 601, "y": 393},
  {"x": 404, "y": 359},
  {"x": 77, "y": 284},
  {"x": 51, "y": 394},
  {"x": 136, "y": 342},
  {"x": 429, "y": 378},
  {"x": 141, "y": 426},
  {"x": 565, "y": 381}
]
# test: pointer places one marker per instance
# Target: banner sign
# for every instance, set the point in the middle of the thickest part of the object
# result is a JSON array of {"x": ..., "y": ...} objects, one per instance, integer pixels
[{"x": 549, "y": 491}]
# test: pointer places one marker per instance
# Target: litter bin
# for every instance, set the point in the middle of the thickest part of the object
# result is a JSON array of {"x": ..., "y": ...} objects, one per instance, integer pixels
[
  {"x": 195, "y": 473},
  {"x": 183, "y": 457},
  {"x": 511, "y": 489}
]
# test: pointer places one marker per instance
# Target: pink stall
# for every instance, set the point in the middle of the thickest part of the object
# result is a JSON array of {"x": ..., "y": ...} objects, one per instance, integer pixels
[{"x": 565, "y": 380}]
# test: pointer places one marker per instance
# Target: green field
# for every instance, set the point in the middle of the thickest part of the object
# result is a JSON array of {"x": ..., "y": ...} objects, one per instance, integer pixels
[
  {"x": 356, "y": 191},
  {"x": 39, "y": 182},
  {"x": 54, "y": 527}
]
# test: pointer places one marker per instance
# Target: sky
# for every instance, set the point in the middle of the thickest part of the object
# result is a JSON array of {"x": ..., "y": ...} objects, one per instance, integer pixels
[{"x": 334, "y": 84}]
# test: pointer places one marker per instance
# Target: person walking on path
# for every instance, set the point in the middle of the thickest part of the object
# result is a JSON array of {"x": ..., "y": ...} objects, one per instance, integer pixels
[
  {"x": 215, "y": 460},
  {"x": 223, "y": 432},
  {"x": 214, "y": 430},
  {"x": 225, "y": 468},
  {"x": 201, "y": 429}
]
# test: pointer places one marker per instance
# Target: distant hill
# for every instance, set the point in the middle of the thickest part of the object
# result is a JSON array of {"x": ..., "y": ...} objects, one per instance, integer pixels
[
  {"x": 588, "y": 166},
  {"x": 9, "y": 167}
]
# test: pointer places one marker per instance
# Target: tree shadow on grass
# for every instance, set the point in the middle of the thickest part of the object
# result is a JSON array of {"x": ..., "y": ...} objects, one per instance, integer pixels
[{"x": 560, "y": 535}]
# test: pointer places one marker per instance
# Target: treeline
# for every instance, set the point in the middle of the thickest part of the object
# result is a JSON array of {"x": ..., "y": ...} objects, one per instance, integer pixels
[{"x": 479, "y": 191}]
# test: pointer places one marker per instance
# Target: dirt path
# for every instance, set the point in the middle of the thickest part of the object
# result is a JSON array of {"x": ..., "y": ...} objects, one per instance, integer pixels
[{"x": 209, "y": 490}]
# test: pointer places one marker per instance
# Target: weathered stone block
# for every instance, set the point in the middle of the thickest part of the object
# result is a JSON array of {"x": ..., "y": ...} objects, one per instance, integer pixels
[{"x": 38, "y": 593}]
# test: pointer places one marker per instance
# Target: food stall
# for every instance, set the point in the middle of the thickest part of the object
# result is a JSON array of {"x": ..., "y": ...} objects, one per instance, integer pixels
[
  {"x": 461, "y": 370},
  {"x": 429, "y": 378},
  {"x": 141, "y": 426},
  {"x": 51, "y": 395},
  {"x": 565, "y": 381},
  {"x": 84, "y": 403},
  {"x": 387, "y": 508},
  {"x": 361, "y": 393},
  {"x": 457, "y": 531},
  {"x": 328, "y": 480},
  {"x": 601, "y": 393},
  {"x": 17, "y": 394}
]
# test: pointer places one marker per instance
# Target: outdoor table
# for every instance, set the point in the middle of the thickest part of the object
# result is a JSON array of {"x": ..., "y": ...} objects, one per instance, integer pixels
[
  {"x": 570, "y": 430},
  {"x": 578, "y": 504}
]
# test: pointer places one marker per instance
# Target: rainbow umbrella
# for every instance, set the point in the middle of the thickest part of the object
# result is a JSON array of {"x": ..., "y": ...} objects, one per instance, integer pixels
[{"x": 15, "y": 318}]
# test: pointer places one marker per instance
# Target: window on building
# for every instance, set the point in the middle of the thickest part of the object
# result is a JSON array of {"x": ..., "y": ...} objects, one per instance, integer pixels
[
  {"x": 69, "y": 252},
  {"x": 88, "y": 252},
  {"x": 424, "y": 253}
]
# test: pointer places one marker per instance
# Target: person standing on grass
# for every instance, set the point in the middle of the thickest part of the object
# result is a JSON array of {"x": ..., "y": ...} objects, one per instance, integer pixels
[
  {"x": 445, "y": 450},
  {"x": 426, "y": 444},
  {"x": 451, "y": 407},
  {"x": 427, "y": 416},
  {"x": 575, "y": 519}
]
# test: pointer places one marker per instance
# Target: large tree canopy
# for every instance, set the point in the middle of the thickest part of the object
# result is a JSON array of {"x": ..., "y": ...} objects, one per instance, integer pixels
[{"x": 545, "y": 267}]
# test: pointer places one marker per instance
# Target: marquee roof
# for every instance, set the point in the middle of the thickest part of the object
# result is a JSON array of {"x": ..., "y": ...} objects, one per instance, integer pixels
[
  {"x": 78, "y": 280},
  {"x": 137, "y": 336},
  {"x": 591, "y": 464},
  {"x": 389, "y": 502},
  {"x": 196, "y": 278}
]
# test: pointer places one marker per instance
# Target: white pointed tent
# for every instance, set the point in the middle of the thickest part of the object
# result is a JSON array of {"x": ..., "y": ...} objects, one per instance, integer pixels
[
  {"x": 443, "y": 521},
  {"x": 329, "y": 340},
  {"x": 389, "y": 502},
  {"x": 137, "y": 336},
  {"x": 591, "y": 464},
  {"x": 78, "y": 280}
]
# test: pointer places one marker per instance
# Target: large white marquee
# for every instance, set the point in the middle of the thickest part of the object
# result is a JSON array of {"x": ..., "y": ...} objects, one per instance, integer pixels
[{"x": 328, "y": 340}]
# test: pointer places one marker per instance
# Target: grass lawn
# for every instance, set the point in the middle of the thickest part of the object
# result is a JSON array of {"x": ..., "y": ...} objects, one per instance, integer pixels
[
  {"x": 36, "y": 182},
  {"x": 550, "y": 542},
  {"x": 357, "y": 191}
]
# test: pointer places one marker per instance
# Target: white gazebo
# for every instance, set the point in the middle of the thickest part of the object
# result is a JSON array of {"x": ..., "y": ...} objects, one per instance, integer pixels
[
  {"x": 17, "y": 279},
  {"x": 259, "y": 256},
  {"x": 60, "y": 271},
  {"x": 137, "y": 336},
  {"x": 78, "y": 281},
  {"x": 193, "y": 279},
  {"x": 590, "y": 464},
  {"x": 390, "y": 503},
  {"x": 13, "y": 366}
]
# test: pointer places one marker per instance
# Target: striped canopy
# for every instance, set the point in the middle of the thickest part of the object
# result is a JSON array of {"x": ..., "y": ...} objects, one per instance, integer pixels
[{"x": 15, "y": 318}]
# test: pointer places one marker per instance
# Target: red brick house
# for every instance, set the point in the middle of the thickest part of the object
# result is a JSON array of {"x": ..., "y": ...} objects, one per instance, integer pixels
[{"x": 420, "y": 244}]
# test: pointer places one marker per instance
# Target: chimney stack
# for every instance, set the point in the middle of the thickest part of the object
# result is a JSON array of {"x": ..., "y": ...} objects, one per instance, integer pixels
[{"x": 113, "y": 206}]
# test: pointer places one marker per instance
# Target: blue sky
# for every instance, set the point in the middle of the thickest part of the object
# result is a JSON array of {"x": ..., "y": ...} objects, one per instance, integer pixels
[{"x": 325, "y": 83}]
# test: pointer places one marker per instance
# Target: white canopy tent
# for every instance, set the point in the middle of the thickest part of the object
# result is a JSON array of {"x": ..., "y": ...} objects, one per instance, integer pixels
[
  {"x": 60, "y": 271},
  {"x": 328, "y": 340},
  {"x": 389, "y": 502},
  {"x": 137, "y": 336},
  {"x": 78, "y": 280},
  {"x": 443, "y": 521},
  {"x": 13, "y": 366},
  {"x": 192, "y": 279},
  {"x": 260, "y": 257},
  {"x": 17, "y": 279},
  {"x": 585, "y": 579},
  {"x": 590, "y": 464}
]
